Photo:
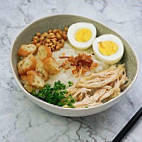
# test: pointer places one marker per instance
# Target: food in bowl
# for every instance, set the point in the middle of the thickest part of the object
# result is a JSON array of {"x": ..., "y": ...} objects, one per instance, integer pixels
[
  {"x": 62, "y": 72},
  {"x": 81, "y": 35},
  {"x": 110, "y": 55}
]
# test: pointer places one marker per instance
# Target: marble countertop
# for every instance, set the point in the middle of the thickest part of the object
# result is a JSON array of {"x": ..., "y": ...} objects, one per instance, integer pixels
[{"x": 23, "y": 121}]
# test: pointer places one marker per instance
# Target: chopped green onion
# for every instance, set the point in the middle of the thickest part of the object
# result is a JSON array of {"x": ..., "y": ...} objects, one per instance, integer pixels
[
  {"x": 70, "y": 83},
  {"x": 56, "y": 94}
]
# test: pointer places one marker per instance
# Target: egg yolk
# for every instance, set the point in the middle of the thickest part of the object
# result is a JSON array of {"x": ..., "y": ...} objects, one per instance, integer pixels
[
  {"x": 108, "y": 47},
  {"x": 83, "y": 35}
]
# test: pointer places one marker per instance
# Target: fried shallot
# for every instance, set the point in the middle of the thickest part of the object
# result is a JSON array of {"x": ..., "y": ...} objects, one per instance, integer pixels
[{"x": 81, "y": 61}]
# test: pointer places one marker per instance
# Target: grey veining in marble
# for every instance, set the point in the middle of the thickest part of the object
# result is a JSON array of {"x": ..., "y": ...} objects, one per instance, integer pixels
[{"x": 23, "y": 121}]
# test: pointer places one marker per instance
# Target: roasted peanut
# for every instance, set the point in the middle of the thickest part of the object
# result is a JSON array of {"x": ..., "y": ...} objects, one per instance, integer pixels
[
  {"x": 43, "y": 42},
  {"x": 47, "y": 40},
  {"x": 62, "y": 41},
  {"x": 48, "y": 36},
  {"x": 51, "y": 34},
  {"x": 38, "y": 34},
  {"x": 66, "y": 29},
  {"x": 38, "y": 44},
  {"x": 53, "y": 41},
  {"x": 41, "y": 38},
  {"x": 55, "y": 38},
  {"x": 35, "y": 37},
  {"x": 61, "y": 45},
  {"x": 50, "y": 31},
  {"x": 57, "y": 47},
  {"x": 44, "y": 34},
  {"x": 65, "y": 37},
  {"x": 49, "y": 44},
  {"x": 64, "y": 32},
  {"x": 58, "y": 36},
  {"x": 58, "y": 42},
  {"x": 34, "y": 41},
  {"x": 60, "y": 32},
  {"x": 53, "y": 48},
  {"x": 46, "y": 44},
  {"x": 55, "y": 31}
]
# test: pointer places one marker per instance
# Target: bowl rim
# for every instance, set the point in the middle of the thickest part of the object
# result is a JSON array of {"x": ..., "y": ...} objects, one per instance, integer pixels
[{"x": 55, "y": 106}]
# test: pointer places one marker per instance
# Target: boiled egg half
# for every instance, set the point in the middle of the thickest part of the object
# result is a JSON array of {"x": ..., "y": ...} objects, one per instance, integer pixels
[
  {"x": 81, "y": 35},
  {"x": 108, "y": 48}
]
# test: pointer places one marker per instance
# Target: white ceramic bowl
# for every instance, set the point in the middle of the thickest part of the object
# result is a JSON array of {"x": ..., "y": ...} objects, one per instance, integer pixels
[{"x": 60, "y": 21}]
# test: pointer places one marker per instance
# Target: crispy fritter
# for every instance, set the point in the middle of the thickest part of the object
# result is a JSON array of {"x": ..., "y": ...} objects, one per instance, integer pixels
[
  {"x": 44, "y": 52},
  {"x": 25, "y": 50},
  {"x": 51, "y": 66},
  {"x": 41, "y": 71},
  {"x": 26, "y": 64},
  {"x": 32, "y": 79}
]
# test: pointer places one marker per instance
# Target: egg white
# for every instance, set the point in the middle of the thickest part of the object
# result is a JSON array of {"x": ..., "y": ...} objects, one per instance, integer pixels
[
  {"x": 111, "y": 59},
  {"x": 72, "y": 31}
]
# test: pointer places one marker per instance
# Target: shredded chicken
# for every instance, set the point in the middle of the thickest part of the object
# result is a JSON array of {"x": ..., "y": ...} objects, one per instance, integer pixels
[
  {"x": 78, "y": 92},
  {"x": 98, "y": 87},
  {"x": 101, "y": 79}
]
